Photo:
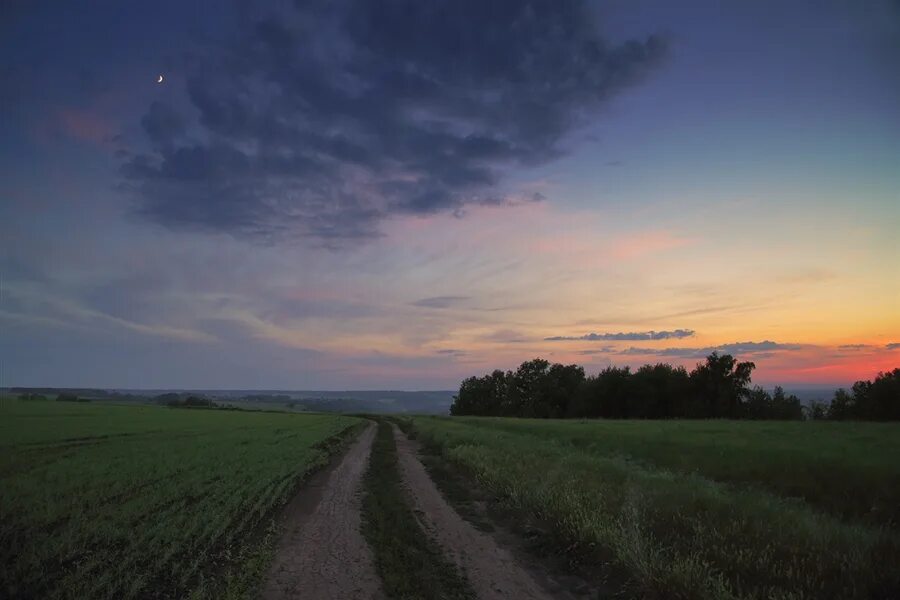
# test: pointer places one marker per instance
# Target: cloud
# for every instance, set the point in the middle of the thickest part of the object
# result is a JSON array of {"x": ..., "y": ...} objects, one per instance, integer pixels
[
  {"x": 672, "y": 352},
  {"x": 749, "y": 347},
  {"x": 325, "y": 119},
  {"x": 505, "y": 336},
  {"x": 162, "y": 124},
  {"x": 33, "y": 306},
  {"x": 440, "y": 301},
  {"x": 892, "y": 345},
  {"x": 759, "y": 349},
  {"x": 604, "y": 350},
  {"x": 629, "y": 336},
  {"x": 452, "y": 352},
  {"x": 854, "y": 346}
]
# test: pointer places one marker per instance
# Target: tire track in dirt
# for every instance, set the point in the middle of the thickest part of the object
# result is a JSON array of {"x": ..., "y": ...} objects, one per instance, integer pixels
[
  {"x": 492, "y": 571},
  {"x": 322, "y": 554}
]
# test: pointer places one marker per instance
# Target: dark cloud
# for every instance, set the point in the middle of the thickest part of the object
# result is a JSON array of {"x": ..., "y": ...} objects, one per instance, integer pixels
[
  {"x": 440, "y": 301},
  {"x": 854, "y": 346},
  {"x": 163, "y": 125},
  {"x": 671, "y": 352},
  {"x": 453, "y": 352},
  {"x": 750, "y": 347},
  {"x": 323, "y": 120},
  {"x": 892, "y": 345},
  {"x": 604, "y": 350},
  {"x": 759, "y": 349},
  {"x": 629, "y": 336}
]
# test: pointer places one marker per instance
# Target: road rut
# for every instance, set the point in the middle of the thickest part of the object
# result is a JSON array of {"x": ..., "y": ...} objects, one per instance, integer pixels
[
  {"x": 491, "y": 570},
  {"x": 322, "y": 554}
]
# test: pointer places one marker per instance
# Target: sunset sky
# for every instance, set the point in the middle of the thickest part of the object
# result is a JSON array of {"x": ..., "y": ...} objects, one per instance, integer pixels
[{"x": 350, "y": 194}]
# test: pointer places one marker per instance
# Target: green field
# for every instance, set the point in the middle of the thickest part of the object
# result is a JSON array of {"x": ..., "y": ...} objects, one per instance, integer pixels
[
  {"x": 701, "y": 509},
  {"x": 103, "y": 501}
]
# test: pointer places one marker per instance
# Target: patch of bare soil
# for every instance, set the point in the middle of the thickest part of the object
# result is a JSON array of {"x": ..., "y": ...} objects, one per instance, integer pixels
[
  {"x": 322, "y": 554},
  {"x": 492, "y": 571}
]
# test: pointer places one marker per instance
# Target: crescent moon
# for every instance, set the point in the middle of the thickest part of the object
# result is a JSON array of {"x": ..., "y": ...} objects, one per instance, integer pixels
[{"x": 160, "y": 79}]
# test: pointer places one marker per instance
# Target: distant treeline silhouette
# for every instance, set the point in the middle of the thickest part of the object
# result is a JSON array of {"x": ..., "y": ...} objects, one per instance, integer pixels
[
  {"x": 717, "y": 388},
  {"x": 71, "y": 398},
  {"x": 175, "y": 400}
]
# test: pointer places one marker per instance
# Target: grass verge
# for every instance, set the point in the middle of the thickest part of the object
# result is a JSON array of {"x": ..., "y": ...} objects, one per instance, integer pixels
[
  {"x": 409, "y": 562},
  {"x": 578, "y": 568}
]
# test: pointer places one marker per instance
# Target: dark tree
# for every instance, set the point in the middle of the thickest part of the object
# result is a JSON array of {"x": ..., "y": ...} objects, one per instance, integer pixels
[
  {"x": 721, "y": 383},
  {"x": 785, "y": 407},
  {"x": 758, "y": 404},
  {"x": 536, "y": 389},
  {"x": 529, "y": 385},
  {"x": 817, "y": 411},
  {"x": 877, "y": 400},
  {"x": 842, "y": 406},
  {"x": 484, "y": 396},
  {"x": 65, "y": 397},
  {"x": 659, "y": 391},
  {"x": 558, "y": 386},
  {"x": 607, "y": 394},
  {"x": 472, "y": 397}
]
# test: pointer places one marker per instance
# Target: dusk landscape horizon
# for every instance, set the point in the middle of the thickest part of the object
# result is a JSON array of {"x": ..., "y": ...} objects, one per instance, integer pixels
[{"x": 449, "y": 300}]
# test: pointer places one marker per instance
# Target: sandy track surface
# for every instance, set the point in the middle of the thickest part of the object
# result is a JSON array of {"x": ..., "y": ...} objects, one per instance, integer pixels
[
  {"x": 322, "y": 554},
  {"x": 491, "y": 570}
]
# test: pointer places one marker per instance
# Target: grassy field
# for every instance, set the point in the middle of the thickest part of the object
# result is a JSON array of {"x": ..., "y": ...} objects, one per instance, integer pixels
[
  {"x": 701, "y": 509},
  {"x": 101, "y": 501}
]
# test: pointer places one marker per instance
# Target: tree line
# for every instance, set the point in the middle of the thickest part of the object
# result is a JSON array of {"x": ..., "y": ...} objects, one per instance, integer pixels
[
  {"x": 175, "y": 400},
  {"x": 720, "y": 387},
  {"x": 64, "y": 397}
]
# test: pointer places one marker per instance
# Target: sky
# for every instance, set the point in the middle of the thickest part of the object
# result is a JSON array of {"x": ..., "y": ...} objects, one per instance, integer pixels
[{"x": 346, "y": 194}]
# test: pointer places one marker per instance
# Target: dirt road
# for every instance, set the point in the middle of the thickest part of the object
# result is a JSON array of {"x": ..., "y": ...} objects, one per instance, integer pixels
[
  {"x": 322, "y": 554},
  {"x": 492, "y": 571}
]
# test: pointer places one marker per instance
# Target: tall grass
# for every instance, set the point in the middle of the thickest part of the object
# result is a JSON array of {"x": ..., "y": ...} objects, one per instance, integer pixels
[
  {"x": 847, "y": 469},
  {"x": 680, "y": 533}
]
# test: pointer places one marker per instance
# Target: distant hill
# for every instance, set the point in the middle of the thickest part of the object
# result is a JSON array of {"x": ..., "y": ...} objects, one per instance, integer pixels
[
  {"x": 351, "y": 401},
  {"x": 807, "y": 394},
  {"x": 433, "y": 402},
  {"x": 368, "y": 401}
]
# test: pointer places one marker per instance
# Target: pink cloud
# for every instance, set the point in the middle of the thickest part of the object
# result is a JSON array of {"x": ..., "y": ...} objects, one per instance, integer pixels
[
  {"x": 643, "y": 243},
  {"x": 584, "y": 248},
  {"x": 85, "y": 126},
  {"x": 579, "y": 239}
]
